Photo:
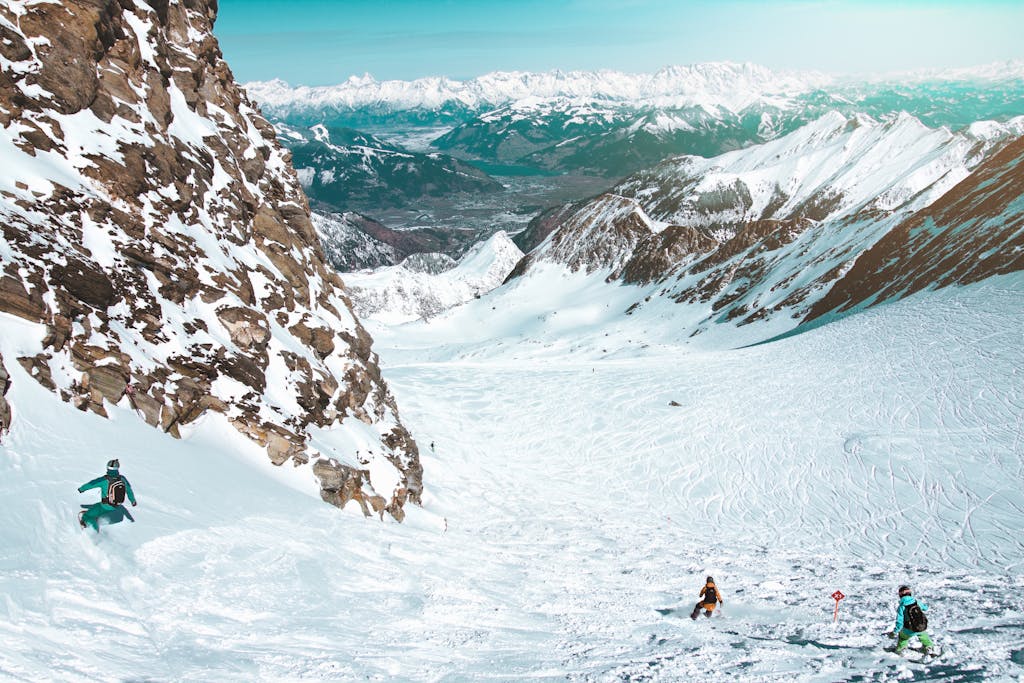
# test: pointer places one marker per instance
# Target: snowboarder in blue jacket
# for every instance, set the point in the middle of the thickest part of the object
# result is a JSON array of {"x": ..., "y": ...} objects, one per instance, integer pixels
[
  {"x": 115, "y": 488},
  {"x": 911, "y": 621}
]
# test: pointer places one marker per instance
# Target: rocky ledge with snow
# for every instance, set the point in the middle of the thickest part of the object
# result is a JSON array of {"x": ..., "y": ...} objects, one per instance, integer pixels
[{"x": 156, "y": 239}]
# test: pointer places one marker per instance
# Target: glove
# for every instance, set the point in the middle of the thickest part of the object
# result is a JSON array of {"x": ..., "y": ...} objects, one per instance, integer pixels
[
  {"x": 134, "y": 503},
  {"x": 891, "y": 634}
]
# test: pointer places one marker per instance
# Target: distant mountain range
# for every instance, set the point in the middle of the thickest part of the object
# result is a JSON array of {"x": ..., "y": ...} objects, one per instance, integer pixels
[
  {"x": 734, "y": 86},
  {"x": 344, "y": 168},
  {"x": 611, "y": 123}
]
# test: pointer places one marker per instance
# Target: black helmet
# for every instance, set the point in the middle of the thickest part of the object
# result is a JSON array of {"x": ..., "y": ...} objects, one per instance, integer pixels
[
  {"x": 710, "y": 580},
  {"x": 904, "y": 590},
  {"x": 113, "y": 465}
]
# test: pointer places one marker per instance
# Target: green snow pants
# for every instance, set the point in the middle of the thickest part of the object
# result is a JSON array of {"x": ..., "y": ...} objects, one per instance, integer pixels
[
  {"x": 94, "y": 513},
  {"x": 906, "y": 635}
]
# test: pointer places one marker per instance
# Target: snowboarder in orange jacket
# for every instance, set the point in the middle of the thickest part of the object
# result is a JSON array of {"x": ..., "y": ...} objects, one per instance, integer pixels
[{"x": 709, "y": 598}]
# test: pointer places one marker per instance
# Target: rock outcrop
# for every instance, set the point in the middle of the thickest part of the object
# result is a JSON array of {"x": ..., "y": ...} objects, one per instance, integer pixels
[
  {"x": 5, "y": 408},
  {"x": 152, "y": 223},
  {"x": 974, "y": 231}
]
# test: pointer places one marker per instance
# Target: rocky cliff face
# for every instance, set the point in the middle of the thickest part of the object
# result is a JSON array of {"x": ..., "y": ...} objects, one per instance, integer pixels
[
  {"x": 974, "y": 231},
  {"x": 153, "y": 226}
]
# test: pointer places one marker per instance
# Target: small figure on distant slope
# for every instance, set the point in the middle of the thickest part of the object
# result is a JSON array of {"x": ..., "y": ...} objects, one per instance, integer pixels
[
  {"x": 709, "y": 597},
  {"x": 910, "y": 622},
  {"x": 110, "y": 509}
]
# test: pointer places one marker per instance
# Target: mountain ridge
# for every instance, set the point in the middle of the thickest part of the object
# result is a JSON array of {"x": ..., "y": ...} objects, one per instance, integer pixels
[
  {"x": 762, "y": 233},
  {"x": 694, "y": 83}
]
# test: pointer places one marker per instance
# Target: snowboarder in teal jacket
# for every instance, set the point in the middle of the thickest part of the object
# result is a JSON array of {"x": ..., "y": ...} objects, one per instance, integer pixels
[
  {"x": 110, "y": 509},
  {"x": 905, "y": 627}
]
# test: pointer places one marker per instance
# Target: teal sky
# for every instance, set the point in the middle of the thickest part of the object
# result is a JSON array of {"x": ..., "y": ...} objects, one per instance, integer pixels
[{"x": 322, "y": 42}]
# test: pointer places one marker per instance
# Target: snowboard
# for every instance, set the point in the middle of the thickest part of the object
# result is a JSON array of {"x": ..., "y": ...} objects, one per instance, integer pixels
[{"x": 685, "y": 612}]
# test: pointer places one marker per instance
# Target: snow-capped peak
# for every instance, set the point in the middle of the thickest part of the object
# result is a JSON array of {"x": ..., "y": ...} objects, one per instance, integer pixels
[
  {"x": 722, "y": 84},
  {"x": 836, "y": 163}
]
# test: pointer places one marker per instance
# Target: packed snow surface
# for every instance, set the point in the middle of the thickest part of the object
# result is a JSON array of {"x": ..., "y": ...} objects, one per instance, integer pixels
[{"x": 571, "y": 513}]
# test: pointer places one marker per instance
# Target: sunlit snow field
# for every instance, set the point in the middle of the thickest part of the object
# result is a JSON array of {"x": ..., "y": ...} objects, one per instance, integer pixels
[{"x": 570, "y": 516}]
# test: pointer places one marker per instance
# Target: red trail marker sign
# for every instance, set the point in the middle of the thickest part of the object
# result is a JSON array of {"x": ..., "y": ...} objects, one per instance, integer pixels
[{"x": 837, "y": 596}]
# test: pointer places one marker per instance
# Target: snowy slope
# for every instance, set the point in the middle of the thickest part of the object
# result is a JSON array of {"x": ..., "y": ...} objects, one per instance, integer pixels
[
  {"x": 401, "y": 293},
  {"x": 560, "y": 543}
]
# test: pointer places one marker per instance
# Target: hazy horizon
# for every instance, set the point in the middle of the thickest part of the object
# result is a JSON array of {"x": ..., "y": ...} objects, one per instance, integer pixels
[{"x": 324, "y": 42}]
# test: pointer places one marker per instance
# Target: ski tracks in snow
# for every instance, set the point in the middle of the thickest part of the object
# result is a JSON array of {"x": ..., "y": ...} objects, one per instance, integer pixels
[
  {"x": 570, "y": 517},
  {"x": 856, "y": 458}
]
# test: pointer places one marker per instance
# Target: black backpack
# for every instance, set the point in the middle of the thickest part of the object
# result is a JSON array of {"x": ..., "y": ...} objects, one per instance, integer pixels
[
  {"x": 914, "y": 618},
  {"x": 115, "y": 490}
]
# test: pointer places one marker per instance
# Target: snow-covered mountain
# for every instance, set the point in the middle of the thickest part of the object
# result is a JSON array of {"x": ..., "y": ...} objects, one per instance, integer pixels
[
  {"x": 973, "y": 232},
  {"x": 346, "y": 169},
  {"x": 761, "y": 234},
  {"x": 613, "y": 124},
  {"x": 417, "y": 290},
  {"x": 157, "y": 251},
  {"x": 715, "y": 84}
]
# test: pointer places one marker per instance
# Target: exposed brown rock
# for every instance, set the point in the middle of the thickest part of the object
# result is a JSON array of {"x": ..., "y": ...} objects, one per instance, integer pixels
[
  {"x": 248, "y": 328},
  {"x": 319, "y": 338},
  {"x": 39, "y": 367},
  {"x": 109, "y": 381},
  {"x": 340, "y": 483},
  {"x": 974, "y": 231},
  {"x": 85, "y": 281},
  {"x": 661, "y": 253},
  {"x": 147, "y": 406},
  {"x": 5, "y": 384},
  {"x": 16, "y": 300},
  {"x": 76, "y": 33}
]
